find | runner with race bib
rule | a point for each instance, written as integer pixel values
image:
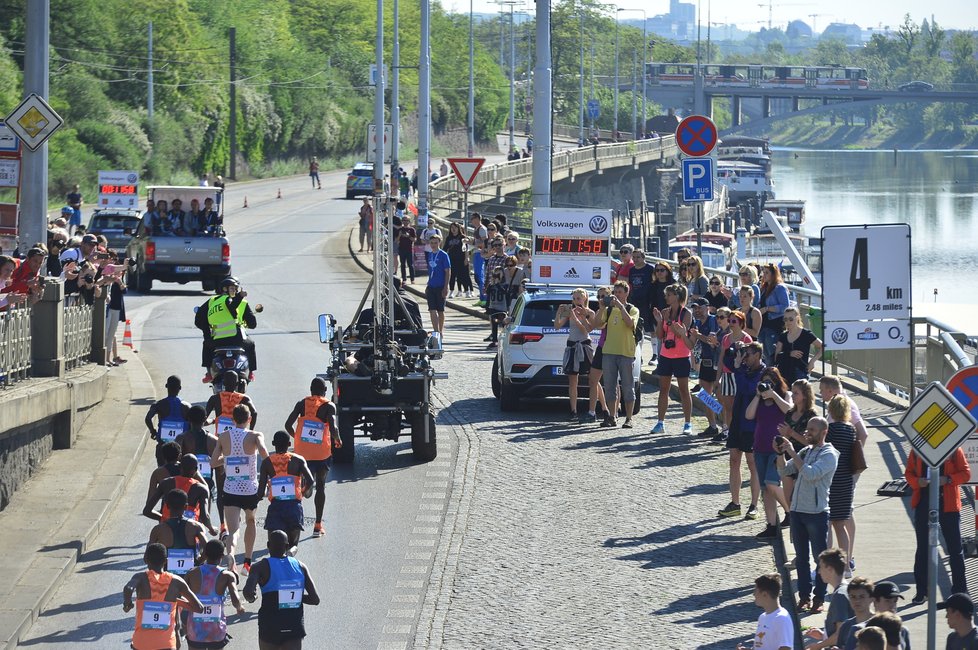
(286, 478)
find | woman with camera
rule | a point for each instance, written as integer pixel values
(795, 423)
(578, 354)
(767, 409)
(619, 319)
(774, 300)
(672, 329)
(731, 339)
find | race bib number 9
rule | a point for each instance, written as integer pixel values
(283, 488)
(290, 595)
(170, 429)
(237, 468)
(312, 432)
(156, 615)
(179, 560)
(213, 609)
(204, 465)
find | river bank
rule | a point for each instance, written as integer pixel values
(802, 132)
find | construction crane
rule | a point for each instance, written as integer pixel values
(814, 24)
(770, 9)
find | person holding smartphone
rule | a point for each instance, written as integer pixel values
(619, 318)
(578, 354)
(672, 328)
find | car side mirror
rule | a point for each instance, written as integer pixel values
(327, 328)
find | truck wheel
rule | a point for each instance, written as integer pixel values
(495, 378)
(345, 453)
(423, 450)
(509, 397)
(350, 195)
(208, 285)
(144, 283)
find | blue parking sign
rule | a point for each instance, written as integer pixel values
(593, 109)
(699, 178)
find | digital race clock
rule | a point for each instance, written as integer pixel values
(106, 188)
(554, 245)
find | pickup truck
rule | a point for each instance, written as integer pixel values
(118, 225)
(179, 258)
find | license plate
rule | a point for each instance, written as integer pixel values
(187, 269)
(558, 370)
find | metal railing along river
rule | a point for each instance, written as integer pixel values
(15, 344)
(77, 334)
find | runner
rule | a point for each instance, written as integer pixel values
(157, 595)
(287, 478)
(208, 630)
(222, 405)
(188, 481)
(315, 413)
(181, 537)
(286, 587)
(169, 453)
(237, 450)
(172, 413)
(199, 442)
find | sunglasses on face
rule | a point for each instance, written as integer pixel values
(661, 270)
(714, 284)
(734, 321)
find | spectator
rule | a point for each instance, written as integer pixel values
(479, 237)
(74, 201)
(621, 269)
(497, 304)
(161, 225)
(748, 278)
(754, 318)
(795, 422)
(767, 408)
(314, 173)
(871, 638)
(7, 267)
(595, 390)
(774, 300)
(814, 467)
(414, 181)
(748, 370)
(960, 618)
(797, 348)
(673, 329)
(951, 475)
(25, 279)
(842, 436)
(366, 223)
(860, 592)
(775, 630)
(495, 259)
(697, 284)
(892, 626)
(885, 596)
(730, 350)
(403, 185)
(640, 277)
(578, 354)
(192, 222)
(512, 244)
(619, 318)
(57, 239)
(406, 236)
(210, 219)
(705, 335)
(457, 250)
(715, 297)
(657, 300)
(176, 219)
(439, 275)
(443, 169)
(831, 565)
(115, 308)
(150, 217)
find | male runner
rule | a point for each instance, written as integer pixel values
(198, 496)
(201, 443)
(286, 587)
(317, 426)
(180, 536)
(172, 413)
(287, 479)
(157, 595)
(208, 630)
(222, 405)
(237, 451)
(169, 453)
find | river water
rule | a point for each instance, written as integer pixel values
(936, 192)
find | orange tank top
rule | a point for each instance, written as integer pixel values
(313, 438)
(225, 420)
(283, 486)
(192, 512)
(156, 617)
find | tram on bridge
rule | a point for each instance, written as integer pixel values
(743, 75)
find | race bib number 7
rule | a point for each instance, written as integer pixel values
(290, 595)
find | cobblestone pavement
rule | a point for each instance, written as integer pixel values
(572, 535)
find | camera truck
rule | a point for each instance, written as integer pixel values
(381, 369)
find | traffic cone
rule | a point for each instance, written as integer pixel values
(127, 335)
(279, 193)
(246, 202)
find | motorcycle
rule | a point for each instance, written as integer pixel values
(229, 358)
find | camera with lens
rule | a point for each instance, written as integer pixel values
(606, 301)
(131, 261)
(779, 440)
(669, 344)
(763, 387)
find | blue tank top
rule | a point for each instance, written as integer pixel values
(173, 424)
(281, 611)
(284, 571)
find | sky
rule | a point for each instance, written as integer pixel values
(750, 15)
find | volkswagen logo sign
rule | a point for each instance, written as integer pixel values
(188, 249)
(598, 224)
(840, 335)
(131, 178)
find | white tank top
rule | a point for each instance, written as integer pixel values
(240, 468)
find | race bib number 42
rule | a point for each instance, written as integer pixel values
(312, 432)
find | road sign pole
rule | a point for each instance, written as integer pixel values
(465, 206)
(932, 564)
(33, 215)
(699, 229)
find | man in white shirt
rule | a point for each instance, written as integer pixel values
(775, 631)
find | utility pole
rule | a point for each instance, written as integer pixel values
(233, 123)
(379, 111)
(592, 77)
(645, 75)
(395, 102)
(614, 135)
(634, 96)
(512, 78)
(542, 110)
(424, 112)
(471, 125)
(36, 78)
(581, 74)
(149, 76)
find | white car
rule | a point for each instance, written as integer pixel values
(529, 360)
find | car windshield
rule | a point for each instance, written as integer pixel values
(363, 172)
(117, 221)
(541, 313)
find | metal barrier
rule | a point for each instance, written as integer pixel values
(15, 344)
(77, 334)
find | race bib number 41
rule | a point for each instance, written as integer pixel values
(170, 429)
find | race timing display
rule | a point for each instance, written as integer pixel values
(571, 247)
(552, 245)
(117, 189)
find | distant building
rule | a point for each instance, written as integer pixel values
(683, 12)
(847, 32)
(798, 29)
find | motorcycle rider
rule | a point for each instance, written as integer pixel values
(222, 319)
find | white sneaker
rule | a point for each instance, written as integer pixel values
(468, 294)
(451, 294)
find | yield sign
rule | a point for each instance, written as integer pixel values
(696, 135)
(466, 169)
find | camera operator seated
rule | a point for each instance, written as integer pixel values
(402, 320)
(222, 319)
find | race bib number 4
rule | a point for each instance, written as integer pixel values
(283, 488)
(213, 609)
(179, 560)
(204, 465)
(170, 429)
(237, 468)
(290, 595)
(157, 615)
(312, 432)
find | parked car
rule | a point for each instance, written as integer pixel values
(360, 180)
(118, 225)
(916, 86)
(529, 360)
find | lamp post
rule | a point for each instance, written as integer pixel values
(471, 124)
(615, 133)
(645, 44)
(512, 69)
(581, 99)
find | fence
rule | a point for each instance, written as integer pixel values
(77, 334)
(15, 344)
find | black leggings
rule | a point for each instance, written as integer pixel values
(460, 276)
(407, 262)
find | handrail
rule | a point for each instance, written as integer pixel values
(951, 346)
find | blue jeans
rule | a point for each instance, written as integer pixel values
(809, 532)
(950, 523)
(769, 339)
(479, 269)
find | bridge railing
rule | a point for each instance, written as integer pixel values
(15, 344)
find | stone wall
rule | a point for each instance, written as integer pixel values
(21, 453)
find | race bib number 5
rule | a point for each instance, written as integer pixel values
(156, 615)
(312, 432)
(237, 468)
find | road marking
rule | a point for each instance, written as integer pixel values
(417, 555)
(443, 485)
(397, 629)
(432, 506)
(405, 598)
(401, 613)
(433, 495)
(414, 569)
(437, 474)
(428, 519)
(425, 531)
(409, 584)
(392, 645)
(422, 542)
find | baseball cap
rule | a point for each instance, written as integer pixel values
(89, 239)
(886, 589)
(66, 210)
(959, 602)
(699, 302)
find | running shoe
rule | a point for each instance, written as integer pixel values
(451, 294)
(751, 511)
(246, 567)
(719, 439)
(627, 424)
(488, 338)
(659, 428)
(492, 346)
(708, 432)
(731, 510)
(587, 418)
(608, 423)
(573, 417)
(293, 551)
(317, 530)
(688, 428)
(208, 378)
(769, 532)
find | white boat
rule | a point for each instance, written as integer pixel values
(792, 209)
(744, 181)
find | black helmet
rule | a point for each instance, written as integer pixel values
(230, 281)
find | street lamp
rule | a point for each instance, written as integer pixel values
(512, 72)
(581, 99)
(614, 135)
(471, 116)
(645, 44)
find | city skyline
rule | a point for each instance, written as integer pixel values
(751, 15)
